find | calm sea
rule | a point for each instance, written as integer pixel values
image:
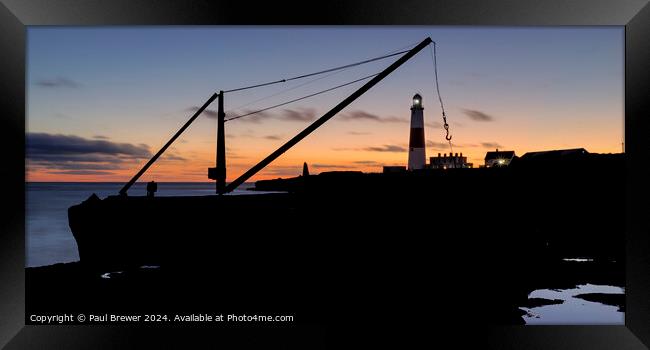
(48, 237)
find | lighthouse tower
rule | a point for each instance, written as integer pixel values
(417, 156)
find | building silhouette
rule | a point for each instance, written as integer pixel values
(498, 158)
(449, 162)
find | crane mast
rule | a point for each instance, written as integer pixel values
(218, 173)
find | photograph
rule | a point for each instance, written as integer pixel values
(336, 177)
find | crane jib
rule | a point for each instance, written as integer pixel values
(320, 121)
(219, 172)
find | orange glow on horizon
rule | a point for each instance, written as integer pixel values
(288, 165)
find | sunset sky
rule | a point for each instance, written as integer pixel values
(102, 100)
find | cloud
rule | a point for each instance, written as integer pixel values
(435, 125)
(58, 83)
(210, 113)
(251, 135)
(172, 157)
(438, 145)
(330, 166)
(74, 155)
(366, 162)
(292, 115)
(101, 137)
(232, 153)
(359, 115)
(386, 148)
(50, 144)
(253, 118)
(365, 116)
(69, 165)
(478, 115)
(248, 134)
(235, 156)
(81, 172)
(358, 133)
(394, 120)
(393, 148)
(207, 112)
(281, 170)
(490, 145)
(300, 114)
(362, 115)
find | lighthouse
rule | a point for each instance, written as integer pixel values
(417, 156)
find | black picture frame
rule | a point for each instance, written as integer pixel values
(15, 15)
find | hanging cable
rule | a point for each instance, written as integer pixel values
(302, 98)
(283, 91)
(442, 107)
(319, 72)
(311, 81)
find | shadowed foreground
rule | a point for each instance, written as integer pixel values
(349, 251)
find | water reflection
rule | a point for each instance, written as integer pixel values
(573, 309)
(578, 259)
(109, 275)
